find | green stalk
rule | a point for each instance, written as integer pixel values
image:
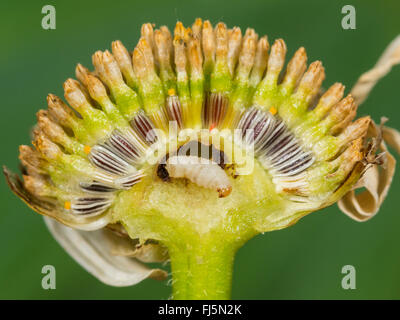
(202, 267)
(202, 271)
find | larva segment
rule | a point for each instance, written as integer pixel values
(204, 173)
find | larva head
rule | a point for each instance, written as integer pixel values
(193, 132)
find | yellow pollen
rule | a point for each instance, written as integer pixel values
(171, 92)
(67, 205)
(86, 149)
(273, 110)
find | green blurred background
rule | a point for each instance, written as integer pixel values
(301, 262)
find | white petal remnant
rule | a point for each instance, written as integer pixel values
(376, 181)
(367, 81)
(92, 250)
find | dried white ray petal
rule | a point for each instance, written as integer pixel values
(204, 173)
(367, 81)
(92, 251)
(376, 181)
(392, 138)
(147, 253)
(126, 247)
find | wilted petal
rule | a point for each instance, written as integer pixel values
(367, 81)
(125, 246)
(376, 179)
(92, 250)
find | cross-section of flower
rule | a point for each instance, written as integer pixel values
(190, 145)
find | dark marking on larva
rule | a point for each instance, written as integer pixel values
(162, 172)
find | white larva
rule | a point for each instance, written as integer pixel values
(203, 172)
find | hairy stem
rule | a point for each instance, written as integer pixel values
(202, 271)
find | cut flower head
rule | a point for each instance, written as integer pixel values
(192, 144)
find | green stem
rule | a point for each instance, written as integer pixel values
(202, 271)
